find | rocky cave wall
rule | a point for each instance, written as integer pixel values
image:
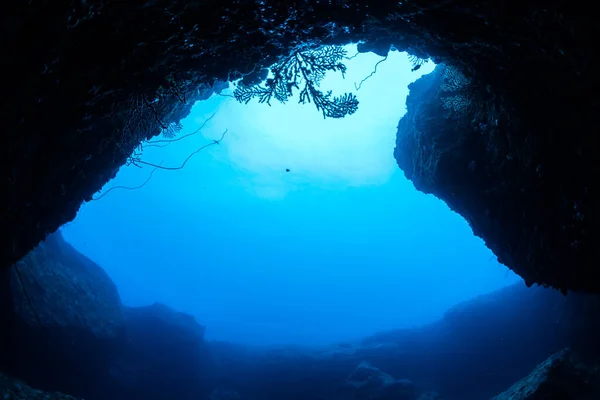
(89, 80)
(523, 185)
(64, 328)
(87, 344)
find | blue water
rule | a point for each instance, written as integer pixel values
(338, 247)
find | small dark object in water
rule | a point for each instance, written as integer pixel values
(287, 170)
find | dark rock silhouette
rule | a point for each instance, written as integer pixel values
(165, 356)
(12, 389)
(80, 322)
(560, 377)
(85, 342)
(370, 383)
(82, 97)
(66, 289)
(464, 147)
(477, 350)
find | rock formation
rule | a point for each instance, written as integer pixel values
(80, 340)
(12, 389)
(93, 79)
(62, 321)
(368, 382)
(63, 328)
(165, 356)
(561, 376)
(485, 161)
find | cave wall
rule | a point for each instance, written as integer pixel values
(518, 174)
(61, 319)
(478, 349)
(87, 344)
(63, 328)
(93, 79)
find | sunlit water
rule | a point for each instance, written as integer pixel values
(338, 247)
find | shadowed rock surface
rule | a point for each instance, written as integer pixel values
(85, 342)
(368, 382)
(560, 377)
(12, 389)
(66, 289)
(80, 325)
(522, 183)
(478, 349)
(96, 78)
(165, 356)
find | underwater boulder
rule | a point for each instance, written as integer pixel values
(224, 394)
(475, 351)
(561, 376)
(370, 383)
(485, 344)
(62, 319)
(57, 286)
(12, 389)
(495, 163)
(165, 356)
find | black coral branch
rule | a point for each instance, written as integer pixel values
(304, 70)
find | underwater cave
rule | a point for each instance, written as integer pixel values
(294, 229)
(229, 200)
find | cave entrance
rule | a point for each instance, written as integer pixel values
(287, 226)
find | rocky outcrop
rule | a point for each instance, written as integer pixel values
(58, 287)
(165, 357)
(559, 377)
(63, 328)
(516, 174)
(98, 77)
(482, 345)
(62, 321)
(155, 352)
(477, 350)
(368, 382)
(12, 389)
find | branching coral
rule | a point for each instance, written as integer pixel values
(305, 67)
(172, 130)
(136, 157)
(462, 96)
(417, 62)
(457, 98)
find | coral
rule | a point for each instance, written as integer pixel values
(305, 67)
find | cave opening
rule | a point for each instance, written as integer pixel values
(288, 227)
(260, 225)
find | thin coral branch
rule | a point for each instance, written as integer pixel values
(218, 141)
(136, 162)
(156, 143)
(417, 62)
(371, 74)
(352, 57)
(303, 70)
(127, 187)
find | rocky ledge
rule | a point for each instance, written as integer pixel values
(12, 389)
(89, 80)
(559, 377)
